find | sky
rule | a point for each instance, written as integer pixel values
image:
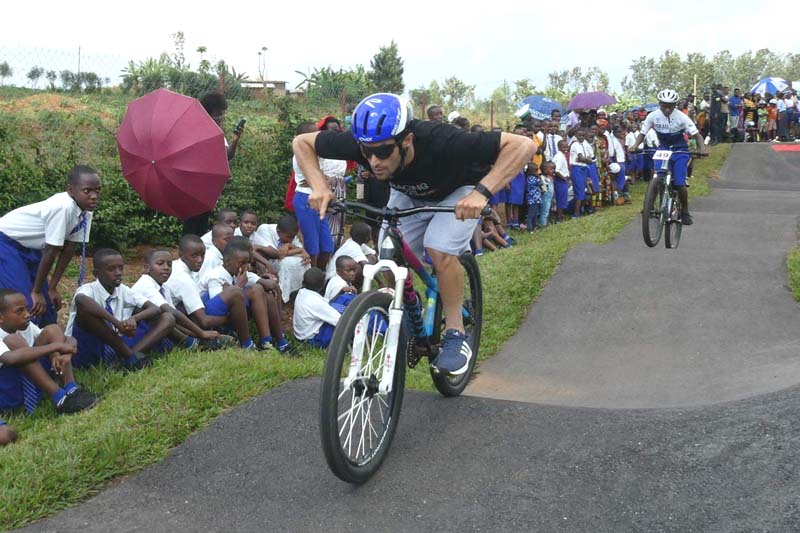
(483, 45)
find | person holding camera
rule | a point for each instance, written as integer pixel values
(216, 106)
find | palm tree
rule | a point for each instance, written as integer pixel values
(201, 50)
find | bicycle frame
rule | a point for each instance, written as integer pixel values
(661, 164)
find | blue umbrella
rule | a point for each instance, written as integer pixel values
(770, 85)
(541, 107)
(647, 107)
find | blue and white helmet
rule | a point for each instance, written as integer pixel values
(380, 117)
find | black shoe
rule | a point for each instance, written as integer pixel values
(686, 219)
(220, 343)
(78, 400)
(142, 361)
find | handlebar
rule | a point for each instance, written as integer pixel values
(393, 213)
(695, 154)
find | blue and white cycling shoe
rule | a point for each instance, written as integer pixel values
(455, 355)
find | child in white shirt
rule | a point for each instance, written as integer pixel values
(314, 317)
(23, 347)
(109, 321)
(151, 286)
(340, 287)
(226, 217)
(278, 243)
(357, 247)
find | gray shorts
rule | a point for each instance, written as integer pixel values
(438, 231)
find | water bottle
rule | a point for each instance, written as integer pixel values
(430, 311)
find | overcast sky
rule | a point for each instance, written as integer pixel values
(482, 46)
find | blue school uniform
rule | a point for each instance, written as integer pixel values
(621, 176)
(579, 175)
(25, 231)
(595, 176)
(561, 193)
(516, 192)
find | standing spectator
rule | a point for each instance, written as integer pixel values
(216, 106)
(790, 99)
(715, 111)
(724, 112)
(783, 120)
(551, 140)
(704, 109)
(317, 238)
(435, 113)
(35, 237)
(735, 105)
(533, 196)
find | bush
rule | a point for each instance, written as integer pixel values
(42, 139)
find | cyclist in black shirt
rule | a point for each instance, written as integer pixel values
(426, 163)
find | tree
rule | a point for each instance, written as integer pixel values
(69, 81)
(424, 97)
(178, 58)
(5, 72)
(502, 98)
(457, 93)
(642, 79)
(668, 69)
(34, 74)
(201, 50)
(387, 70)
(51, 79)
(523, 88)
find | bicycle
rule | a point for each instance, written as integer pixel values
(336, 221)
(659, 209)
(379, 334)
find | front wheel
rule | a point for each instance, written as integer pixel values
(357, 422)
(472, 314)
(652, 221)
(674, 226)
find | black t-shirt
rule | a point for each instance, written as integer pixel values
(445, 157)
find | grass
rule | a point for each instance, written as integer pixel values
(793, 266)
(59, 461)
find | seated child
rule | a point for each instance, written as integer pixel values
(357, 248)
(151, 287)
(314, 318)
(248, 223)
(533, 196)
(226, 217)
(278, 243)
(221, 234)
(490, 235)
(259, 293)
(24, 347)
(109, 321)
(340, 288)
(184, 286)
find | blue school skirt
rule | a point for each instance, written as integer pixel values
(516, 195)
(18, 268)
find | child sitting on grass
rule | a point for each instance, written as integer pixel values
(258, 293)
(340, 288)
(248, 223)
(314, 317)
(184, 285)
(226, 217)
(357, 247)
(278, 244)
(24, 347)
(109, 321)
(151, 287)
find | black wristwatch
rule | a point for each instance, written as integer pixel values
(481, 188)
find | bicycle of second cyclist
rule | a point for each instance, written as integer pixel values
(381, 332)
(662, 204)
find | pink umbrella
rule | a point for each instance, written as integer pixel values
(173, 154)
(591, 100)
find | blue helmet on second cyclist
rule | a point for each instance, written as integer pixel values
(380, 126)
(667, 99)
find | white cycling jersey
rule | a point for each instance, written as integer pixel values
(670, 129)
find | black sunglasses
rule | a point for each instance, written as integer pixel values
(384, 151)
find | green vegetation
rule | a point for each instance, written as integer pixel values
(61, 460)
(793, 266)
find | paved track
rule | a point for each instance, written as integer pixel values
(715, 451)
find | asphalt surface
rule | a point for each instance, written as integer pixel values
(716, 451)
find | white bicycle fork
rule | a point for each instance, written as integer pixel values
(392, 331)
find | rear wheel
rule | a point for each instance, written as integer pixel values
(674, 226)
(652, 221)
(472, 313)
(357, 422)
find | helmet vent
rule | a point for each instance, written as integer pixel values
(379, 127)
(364, 127)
